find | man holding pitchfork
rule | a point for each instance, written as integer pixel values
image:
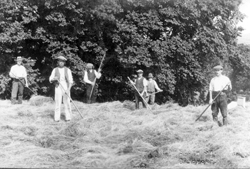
(219, 85)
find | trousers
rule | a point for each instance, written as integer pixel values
(150, 98)
(220, 103)
(137, 101)
(60, 96)
(17, 88)
(91, 99)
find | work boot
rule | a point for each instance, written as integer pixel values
(225, 122)
(13, 101)
(215, 119)
(20, 100)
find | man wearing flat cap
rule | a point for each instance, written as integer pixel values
(61, 76)
(141, 85)
(90, 77)
(152, 85)
(19, 75)
(219, 83)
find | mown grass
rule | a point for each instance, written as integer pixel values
(114, 135)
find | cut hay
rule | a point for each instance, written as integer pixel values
(115, 135)
(40, 100)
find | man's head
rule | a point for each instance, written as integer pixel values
(139, 73)
(19, 60)
(218, 70)
(89, 66)
(61, 61)
(150, 76)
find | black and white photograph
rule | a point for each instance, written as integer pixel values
(125, 84)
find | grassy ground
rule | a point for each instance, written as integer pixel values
(114, 135)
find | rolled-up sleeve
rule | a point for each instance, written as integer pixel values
(230, 84)
(156, 86)
(86, 79)
(98, 74)
(24, 72)
(70, 76)
(11, 72)
(145, 82)
(211, 85)
(52, 76)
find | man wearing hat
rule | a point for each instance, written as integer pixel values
(152, 85)
(61, 76)
(219, 83)
(89, 78)
(141, 85)
(19, 75)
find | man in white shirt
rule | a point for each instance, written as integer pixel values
(61, 76)
(152, 85)
(19, 75)
(219, 83)
(90, 77)
(141, 85)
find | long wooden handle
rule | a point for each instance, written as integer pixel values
(70, 98)
(211, 104)
(139, 93)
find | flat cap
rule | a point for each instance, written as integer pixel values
(61, 58)
(218, 67)
(139, 71)
(19, 58)
(89, 65)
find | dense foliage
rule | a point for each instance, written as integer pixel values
(176, 40)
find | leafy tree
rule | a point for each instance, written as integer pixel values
(178, 41)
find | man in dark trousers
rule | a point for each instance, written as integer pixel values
(219, 83)
(19, 75)
(141, 85)
(90, 77)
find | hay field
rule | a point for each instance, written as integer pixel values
(114, 135)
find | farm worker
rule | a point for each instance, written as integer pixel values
(141, 85)
(90, 77)
(61, 76)
(152, 85)
(19, 75)
(219, 83)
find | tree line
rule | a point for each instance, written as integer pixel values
(179, 41)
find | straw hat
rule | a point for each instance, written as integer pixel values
(139, 71)
(89, 65)
(218, 67)
(61, 58)
(19, 58)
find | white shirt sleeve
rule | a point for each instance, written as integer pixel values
(211, 85)
(70, 76)
(229, 82)
(97, 74)
(11, 73)
(156, 86)
(145, 82)
(86, 79)
(52, 76)
(24, 72)
(18, 71)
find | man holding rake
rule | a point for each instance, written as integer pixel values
(141, 85)
(152, 85)
(219, 85)
(90, 77)
(19, 75)
(61, 76)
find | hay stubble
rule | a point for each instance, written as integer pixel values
(114, 135)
